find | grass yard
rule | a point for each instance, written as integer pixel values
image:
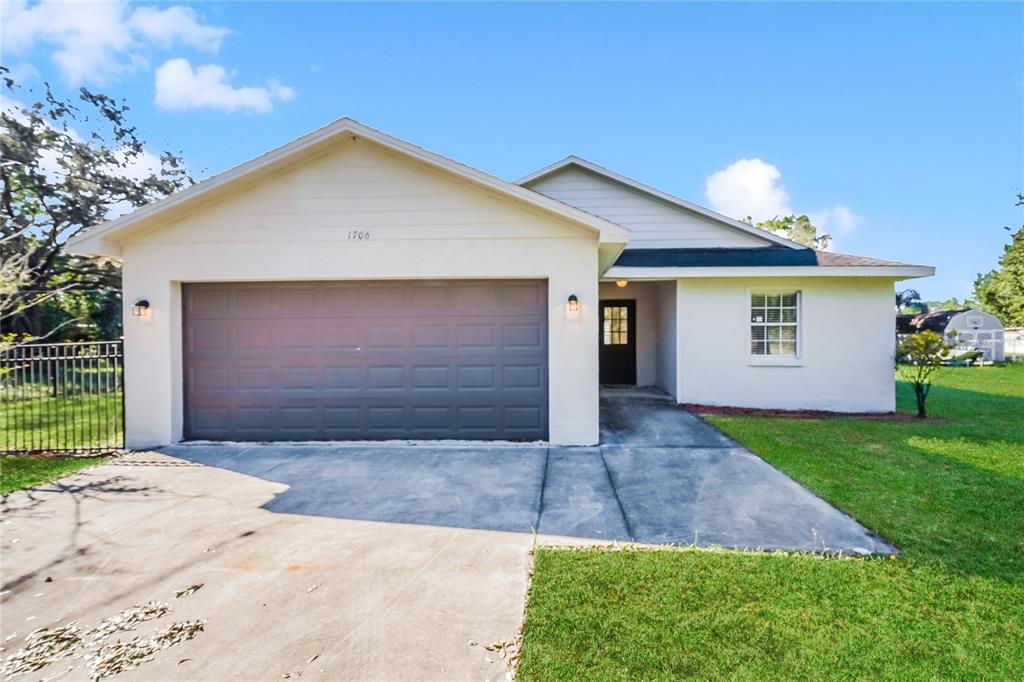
(948, 492)
(61, 423)
(18, 473)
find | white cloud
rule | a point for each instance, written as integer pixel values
(96, 41)
(752, 187)
(179, 86)
(836, 220)
(748, 187)
(176, 25)
(845, 219)
(280, 91)
(23, 72)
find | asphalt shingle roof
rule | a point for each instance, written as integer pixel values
(772, 256)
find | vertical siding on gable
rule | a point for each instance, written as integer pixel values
(654, 223)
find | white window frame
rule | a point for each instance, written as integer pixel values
(756, 360)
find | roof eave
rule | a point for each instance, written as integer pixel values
(896, 272)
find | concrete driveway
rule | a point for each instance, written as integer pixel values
(661, 476)
(283, 595)
(374, 562)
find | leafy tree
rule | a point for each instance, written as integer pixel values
(66, 165)
(949, 304)
(910, 298)
(1001, 291)
(921, 355)
(795, 228)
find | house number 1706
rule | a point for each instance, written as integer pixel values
(359, 235)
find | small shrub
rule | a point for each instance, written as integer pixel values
(921, 354)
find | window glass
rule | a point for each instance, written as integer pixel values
(615, 326)
(774, 318)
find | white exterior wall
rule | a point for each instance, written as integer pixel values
(653, 223)
(847, 346)
(668, 354)
(422, 224)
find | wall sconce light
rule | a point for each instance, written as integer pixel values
(621, 283)
(574, 304)
(141, 308)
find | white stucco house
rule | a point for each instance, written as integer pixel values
(351, 285)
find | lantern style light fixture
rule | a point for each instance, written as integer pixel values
(141, 308)
(574, 304)
(621, 283)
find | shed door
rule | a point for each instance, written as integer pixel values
(366, 360)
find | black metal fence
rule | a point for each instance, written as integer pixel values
(62, 397)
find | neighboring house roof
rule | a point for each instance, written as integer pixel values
(284, 155)
(935, 321)
(568, 161)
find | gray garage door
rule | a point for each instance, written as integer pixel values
(366, 360)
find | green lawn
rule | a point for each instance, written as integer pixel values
(67, 422)
(949, 492)
(17, 473)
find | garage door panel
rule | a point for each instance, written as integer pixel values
(476, 377)
(529, 377)
(476, 336)
(341, 378)
(206, 338)
(477, 418)
(521, 336)
(431, 377)
(431, 418)
(366, 360)
(385, 378)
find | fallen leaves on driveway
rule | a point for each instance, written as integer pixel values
(125, 621)
(508, 649)
(191, 589)
(45, 645)
(118, 657)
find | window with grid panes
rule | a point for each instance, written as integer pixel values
(773, 323)
(616, 325)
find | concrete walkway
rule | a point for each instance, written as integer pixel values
(661, 476)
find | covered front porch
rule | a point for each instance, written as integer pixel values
(637, 334)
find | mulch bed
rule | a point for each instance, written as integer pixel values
(797, 414)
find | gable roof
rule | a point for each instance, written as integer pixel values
(569, 161)
(105, 233)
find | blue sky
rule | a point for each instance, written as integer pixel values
(897, 126)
